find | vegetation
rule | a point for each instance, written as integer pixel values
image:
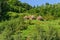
(14, 27)
(19, 29)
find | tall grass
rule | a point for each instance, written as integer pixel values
(19, 29)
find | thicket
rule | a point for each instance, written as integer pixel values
(14, 27)
(12, 6)
(19, 29)
(17, 7)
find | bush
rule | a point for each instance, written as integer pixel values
(19, 29)
(49, 17)
(12, 14)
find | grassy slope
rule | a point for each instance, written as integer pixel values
(19, 29)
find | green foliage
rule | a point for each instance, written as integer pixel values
(12, 14)
(49, 17)
(19, 29)
(19, 7)
(47, 9)
(13, 6)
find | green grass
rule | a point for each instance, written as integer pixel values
(19, 29)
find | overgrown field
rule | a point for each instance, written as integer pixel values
(19, 29)
(14, 27)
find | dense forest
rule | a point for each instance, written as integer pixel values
(13, 26)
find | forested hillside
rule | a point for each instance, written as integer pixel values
(12, 6)
(17, 7)
(21, 21)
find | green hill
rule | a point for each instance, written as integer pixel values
(13, 26)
